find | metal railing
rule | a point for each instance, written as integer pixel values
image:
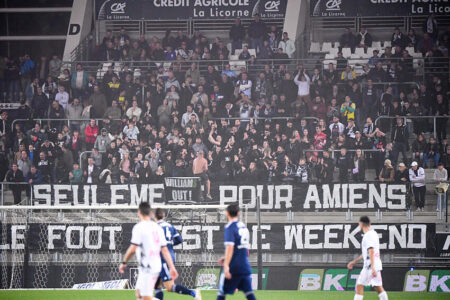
(405, 118)
(265, 118)
(6, 183)
(338, 150)
(419, 72)
(13, 123)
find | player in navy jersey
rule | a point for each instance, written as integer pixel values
(173, 238)
(236, 268)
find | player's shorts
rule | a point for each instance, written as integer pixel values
(240, 282)
(146, 282)
(165, 274)
(365, 278)
(203, 176)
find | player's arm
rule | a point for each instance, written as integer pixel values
(177, 239)
(168, 258)
(226, 263)
(354, 262)
(372, 262)
(130, 251)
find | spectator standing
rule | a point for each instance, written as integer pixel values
(257, 32)
(62, 97)
(359, 166)
(348, 109)
(398, 38)
(54, 67)
(363, 39)
(441, 175)
(347, 40)
(200, 169)
(40, 104)
(440, 108)
(14, 175)
(26, 70)
(79, 82)
(417, 178)
(76, 175)
(90, 133)
(99, 104)
(73, 112)
(287, 45)
(237, 35)
(303, 84)
(399, 138)
(344, 164)
(430, 26)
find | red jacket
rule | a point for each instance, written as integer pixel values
(91, 134)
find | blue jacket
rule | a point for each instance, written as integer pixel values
(73, 80)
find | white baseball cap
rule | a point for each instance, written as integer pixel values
(414, 163)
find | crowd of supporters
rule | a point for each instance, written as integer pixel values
(273, 125)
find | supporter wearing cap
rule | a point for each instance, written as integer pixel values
(417, 178)
(401, 174)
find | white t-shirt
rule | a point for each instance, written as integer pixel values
(371, 240)
(149, 237)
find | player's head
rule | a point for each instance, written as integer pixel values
(232, 210)
(144, 210)
(364, 222)
(160, 214)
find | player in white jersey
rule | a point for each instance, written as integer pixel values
(148, 242)
(371, 272)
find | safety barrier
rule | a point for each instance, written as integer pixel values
(13, 123)
(414, 117)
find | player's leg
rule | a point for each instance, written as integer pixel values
(158, 289)
(381, 293)
(227, 287)
(245, 285)
(359, 292)
(179, 289)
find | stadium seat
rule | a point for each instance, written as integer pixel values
(314, 48)
(346, 52)
(329, 56)
(327, 61)
(336, 45)
(234, 57)
(376, 45)
(334, 51)
(137, 73)
(355, 56)
(326, 46)
(410, 50)
(387, 44)
(359, 52)
(237, 65)
(229, 47)
(238, 52)
(252, 52)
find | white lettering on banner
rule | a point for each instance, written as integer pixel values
(254, 235)
(40, 196)
(355, 196)
(96, 241)
(287, 199)
(396, 201)
(378, 197)
(394, 234)
(421, 244)
(155, 192)
(331, 200)
(310, 282)
(329, 235)
(441, 283)
(415, 283)
(94, 194)
(312, 195)
(447, 243)
(191, 241)
(330, 281)
(291, 233)
(79, 236)
(209, 237)
(312, 236)
(344, 196)
(62, 196)
(135, 197)
(247, 192)
(18, 236)
(114, 195)
(350, 236)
